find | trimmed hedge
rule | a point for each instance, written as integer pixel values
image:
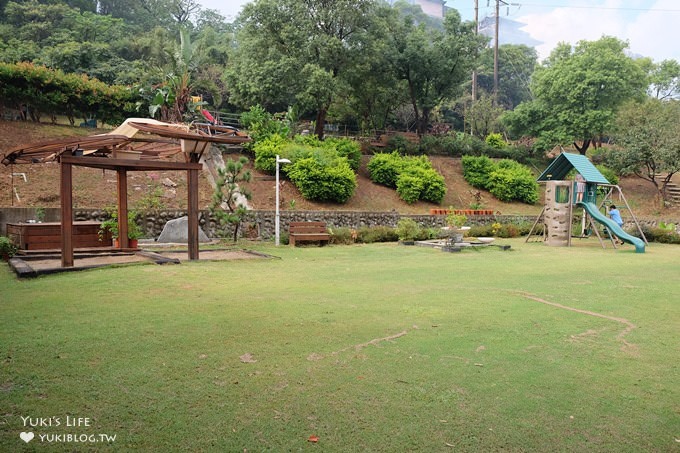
(414, 178)
(323, 182)
(321, 170)
(506, 179)
(476, 170)
(54, 92)
(266, 151)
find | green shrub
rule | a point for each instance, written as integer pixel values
(432, 144)
(425, 183)
(261, 125)
(331, 176)
(413, 177)
(7, 248)
(506, 179)
(495, 141)
(508, 230)
(476, 170)
(399, 143)
(445, 145)
(266, 151)
(513, 184)
(345, 147)
(368, 235)
(384, 168)
(407, 229)
(425, 234)
(409, 187)
(481, 231)
(341, 235)
(660, 235)
(608, 173)
(466, 144)
(318, 182)
(505, 230)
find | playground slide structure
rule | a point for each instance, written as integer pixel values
(613, 227)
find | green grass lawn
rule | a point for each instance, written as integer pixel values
(369, 348)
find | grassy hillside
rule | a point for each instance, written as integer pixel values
(96, 188)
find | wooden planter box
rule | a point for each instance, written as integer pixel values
(47, 236)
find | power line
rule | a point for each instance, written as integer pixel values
(611, 8)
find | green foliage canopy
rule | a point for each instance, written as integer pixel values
(648, 139)
(577, 92)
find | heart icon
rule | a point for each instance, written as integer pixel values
(27, 437)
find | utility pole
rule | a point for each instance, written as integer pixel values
(474, 71)
(495, 49)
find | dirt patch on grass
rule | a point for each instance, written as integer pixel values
(97, 261)
(215, 255)
(629, 326)
(26, 266)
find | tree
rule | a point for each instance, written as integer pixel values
(648, 139)
(665, 80)
(297, 52)
(577, 93)
(482, 115)
(230, 195)
(434, 64)
(516, 64)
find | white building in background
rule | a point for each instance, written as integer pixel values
(433, 8)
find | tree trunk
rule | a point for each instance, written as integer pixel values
(320, 122)
(414, 102)
(583, 148)
(423, 121)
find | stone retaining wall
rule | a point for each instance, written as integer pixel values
(260, 224)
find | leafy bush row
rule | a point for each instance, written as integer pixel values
(501, 230)
(369, 235)
(414, 178)
(506, 179)
(47, 91)
(458, 144)
(321, 170)
(660, 235)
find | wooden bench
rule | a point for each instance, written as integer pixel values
(308, 232)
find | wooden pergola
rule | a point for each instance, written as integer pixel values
(123, 151)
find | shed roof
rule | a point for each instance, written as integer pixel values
(565, 162)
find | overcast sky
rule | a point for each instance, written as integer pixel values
(652, 27)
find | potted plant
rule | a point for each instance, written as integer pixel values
(407, 231)
(455, 222)
(7, 248)
(111, 225)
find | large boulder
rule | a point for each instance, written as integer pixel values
(177, 231)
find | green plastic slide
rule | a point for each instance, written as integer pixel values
(615, 229)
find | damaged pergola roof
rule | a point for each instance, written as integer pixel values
(139, 144)
(151, 139)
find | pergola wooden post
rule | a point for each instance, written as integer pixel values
(66, 187)
(122, 208)
(192, 203)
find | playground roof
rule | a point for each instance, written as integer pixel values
(565, 162)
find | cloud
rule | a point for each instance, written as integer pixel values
(649, 33)
(655, 33)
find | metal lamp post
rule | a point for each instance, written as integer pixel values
(277, 232)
